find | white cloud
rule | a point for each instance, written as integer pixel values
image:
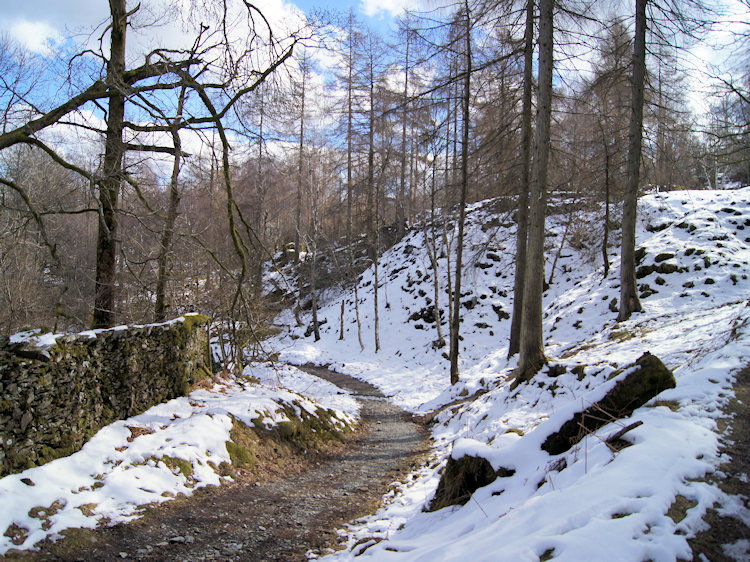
(38, 36)
(40, 25)
(387, 7)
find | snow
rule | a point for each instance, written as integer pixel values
(128, 465)
(588, 503)
(43, 339)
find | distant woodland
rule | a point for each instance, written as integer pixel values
(138, 184)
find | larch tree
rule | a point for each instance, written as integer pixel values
(522, 218)
(465, 15)
(532, 356)
(629, 301)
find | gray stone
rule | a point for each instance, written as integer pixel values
(75, 387)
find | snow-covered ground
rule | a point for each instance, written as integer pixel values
(588, 503)
(172, 448)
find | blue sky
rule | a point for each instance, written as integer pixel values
(40, 24)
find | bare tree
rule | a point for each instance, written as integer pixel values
(522, 219)
(532, 356)
(160, 304)
(466, 111)
(212, 65)
(629, 301)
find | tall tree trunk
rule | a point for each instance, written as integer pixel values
(314, 266)
(349, 113)
(298, 214)
(349, 167)
(466, 98)
(532, 345)
(160, 305)
(400, 213)
(356, 313)
(605, 237)
(448, 179)
(629, 301)
(260, 211)
(522, 219)
(431, 244)
(109, 187)
(373, 196)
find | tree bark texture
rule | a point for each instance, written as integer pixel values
(400, 212)
(349, 114)
(456, 321)
(109, 186)
(373, 197)
(629, 301)
(532, 345)
(298, 213)
(522, 219)
(160, 306)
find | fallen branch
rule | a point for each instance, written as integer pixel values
(616, 435)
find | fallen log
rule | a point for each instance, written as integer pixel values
(648, 377)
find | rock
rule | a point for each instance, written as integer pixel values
(69, 390)
(26, 420)
(643, 271)
(462, 478)
(647, 377)
(666, 268)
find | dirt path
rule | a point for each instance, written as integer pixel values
(732, 478)
(280, 519)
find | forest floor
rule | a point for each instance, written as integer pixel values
(295, 514)
(276, 515)
(732, 477)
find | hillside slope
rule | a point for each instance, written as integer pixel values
(642, 502)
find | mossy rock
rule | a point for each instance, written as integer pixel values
(646, 290)
(646, 378)
(664, 256)
(666, 268)
(579, 371)
(640, 253)
(180, 465)
(644, 271)
(461, 478)
(242, 447)
(657, 227)
(501, 314)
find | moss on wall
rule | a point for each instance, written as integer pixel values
(54, 399)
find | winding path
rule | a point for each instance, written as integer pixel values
(271, 519)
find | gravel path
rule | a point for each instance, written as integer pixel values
(271, 518)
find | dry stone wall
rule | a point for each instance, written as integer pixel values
(54, 398)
